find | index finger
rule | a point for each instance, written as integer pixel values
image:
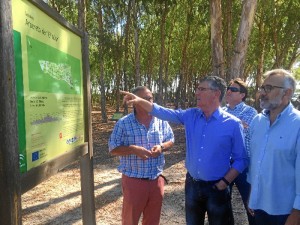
(127, 93)
(124, 92)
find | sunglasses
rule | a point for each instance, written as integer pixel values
(233, 89)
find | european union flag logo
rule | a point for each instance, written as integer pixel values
(35, 156)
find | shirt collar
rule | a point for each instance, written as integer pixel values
(216, 114)
(286, 111)
(237, 107)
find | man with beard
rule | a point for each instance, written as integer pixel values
(274, 171)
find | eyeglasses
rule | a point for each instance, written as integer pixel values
(204, 89)
(268, 88)
(233, 89)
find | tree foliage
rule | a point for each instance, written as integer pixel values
(174, 42)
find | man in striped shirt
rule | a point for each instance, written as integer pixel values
(236, 95)
(140, 139)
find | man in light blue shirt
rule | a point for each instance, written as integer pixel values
(274, 171)
(213, 137)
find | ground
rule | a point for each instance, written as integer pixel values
(58, 199)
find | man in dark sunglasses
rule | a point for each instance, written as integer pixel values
(235, 98)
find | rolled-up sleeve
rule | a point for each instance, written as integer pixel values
(116, 137)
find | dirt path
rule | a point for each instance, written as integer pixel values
(58, 200)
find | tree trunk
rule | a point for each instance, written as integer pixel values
(164, 12)
(241, 44)
(260, 66)
(126, 48)
(82, 15)
(10, 180)
(216, 38)
(136, 45)
(228, 45)
(101, 64)
(181, 92)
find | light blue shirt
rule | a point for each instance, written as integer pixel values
(209, 143)
(128, 131)
(246, 114)
(274, 171)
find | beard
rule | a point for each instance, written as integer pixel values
(266, 103)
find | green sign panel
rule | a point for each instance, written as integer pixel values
(49, 86)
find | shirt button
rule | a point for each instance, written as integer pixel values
(199, 160)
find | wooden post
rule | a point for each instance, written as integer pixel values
(10, 191)
(86, 162)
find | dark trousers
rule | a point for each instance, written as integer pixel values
(263, 218)
(201, 197)
(244, 189)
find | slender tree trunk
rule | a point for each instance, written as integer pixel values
(228, 45)
(181, 92)
(136, 44)
(241, 44)
(260, 66)
(216, 37)
(164, 12)
(126, 49)
(294, 56)
(101, 64)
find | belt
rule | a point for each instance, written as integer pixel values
(147, 178)
(210, 182)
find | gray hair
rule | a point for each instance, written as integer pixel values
(216, 83)
(289, 80)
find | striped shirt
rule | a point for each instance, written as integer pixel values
(128, 131)
(246, 114)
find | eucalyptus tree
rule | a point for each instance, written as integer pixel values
(241, 44)
(216, 38)
(101, 52)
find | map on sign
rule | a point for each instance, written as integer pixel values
(51, 70)
(59, 71)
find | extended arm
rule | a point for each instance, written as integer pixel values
(130, 98)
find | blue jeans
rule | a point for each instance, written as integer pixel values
(263, 218)
(201, 197)
(244, 188)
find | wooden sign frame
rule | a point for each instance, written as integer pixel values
(12, 183)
